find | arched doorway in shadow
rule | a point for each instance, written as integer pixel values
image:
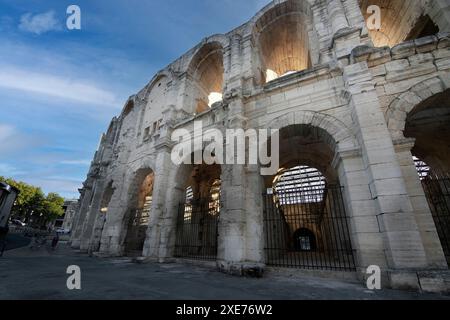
(304, 240)
(429, 124)
(305, 219)
(199, 213)
(138, 214)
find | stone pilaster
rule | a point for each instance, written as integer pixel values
(395, 215)
(160, 192)
(430, 238)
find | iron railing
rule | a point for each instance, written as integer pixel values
(137, 230)
(307, 228)
(437, 191)
(197, 230)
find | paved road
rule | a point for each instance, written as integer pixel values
(42, 275)
(14, 241)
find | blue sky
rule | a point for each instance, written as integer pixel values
(59, 89)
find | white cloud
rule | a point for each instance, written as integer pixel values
(67, 188)
(12, 141)
(39, 23)
(8, 171)
(6, 131)
(81, 91)
(76, 162)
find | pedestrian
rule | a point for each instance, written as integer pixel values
(55, 241)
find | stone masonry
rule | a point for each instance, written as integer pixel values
(327, 71)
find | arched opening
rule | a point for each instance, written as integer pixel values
(151, 116)
(128, 108)
(282, 37)
(429, 124)
(305, 219)
(208, 71)
(138, 214)
(304, 240)
(400, 21)
(198, 214)
(101, 218)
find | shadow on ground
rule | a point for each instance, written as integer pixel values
(26, 274)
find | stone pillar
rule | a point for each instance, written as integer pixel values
(160, 191)
(92, 216)
(82, 213)
(231, 240)
(236, 252)
(433, 248)
(254, 219)
(236, 56)
(336, 15)
(367, 241)
(439, 12)
(403, 244)
(111, 240)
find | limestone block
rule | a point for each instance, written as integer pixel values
(363, 208)
(443, 64)
(397, 221)
(412, 71)
(403, 50)
(404, 281)
(435, 282)
(365, 224)
(420, 58)
(397, 65)
(444, 40)
(441, 53)
(426, 44)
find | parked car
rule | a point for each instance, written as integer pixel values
(63, 231)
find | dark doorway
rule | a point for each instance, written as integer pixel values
(304, 240)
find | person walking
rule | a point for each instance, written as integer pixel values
(55, 241)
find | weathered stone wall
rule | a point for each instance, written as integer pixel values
(357, 93)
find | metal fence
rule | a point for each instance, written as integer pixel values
(136, 232)
(197, 230)
(437, 191)
(307, 227)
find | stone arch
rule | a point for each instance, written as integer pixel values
(107, 195)
(161, 74)
(283, 36)
(399, 109)
(335, 132)
(401, 21)
(133, 201)
(129, 107)
(309, 145)
(206, 73)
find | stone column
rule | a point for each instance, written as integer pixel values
(403, 244)
(367, 241)
(114, 225)
(254, 219)
(160, 191)
(235, 252)
(82, 213)
(92, 216)
(424, 218)
(336, 15)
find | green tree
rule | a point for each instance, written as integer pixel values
(32, 202)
